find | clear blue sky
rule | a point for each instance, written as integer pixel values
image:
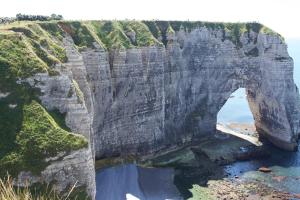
(280, 15)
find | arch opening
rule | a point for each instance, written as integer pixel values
(236, 109)
(236, 118)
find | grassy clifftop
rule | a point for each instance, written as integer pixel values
(117, 34)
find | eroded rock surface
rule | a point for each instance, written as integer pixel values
(150, 98)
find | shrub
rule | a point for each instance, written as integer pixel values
(24, 17)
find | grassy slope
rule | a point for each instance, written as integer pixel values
(40, 137)
(38, 192)
(27, 50)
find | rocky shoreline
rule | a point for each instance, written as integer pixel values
(244, 190)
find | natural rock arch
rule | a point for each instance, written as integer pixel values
(216, 69)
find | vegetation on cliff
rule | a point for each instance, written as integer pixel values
(39, 192)
(111, 34)
(24, 17)
(123, 34)
(46, 37)
(231, 31)
(39, 138)
(47, 49)
(79, 32)
(9, 192)
(17, 57)
(28, 134)
(31, 49)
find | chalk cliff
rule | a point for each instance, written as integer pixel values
(139, 87)
(150, 98)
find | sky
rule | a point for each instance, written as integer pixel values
(280, 15)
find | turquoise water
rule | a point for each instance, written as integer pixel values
(284, 165)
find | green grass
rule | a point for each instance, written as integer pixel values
(111, 34)
(46, 48)
(38, 191)
(17, 57)
(17, 60)
(201, 193)
(115, 34)
(53, 29)
(40, 137)
(28, 134)
(153, 28)
(11, 119)
(59, 118)
(233, 30)
(79, 32)
(144, 36)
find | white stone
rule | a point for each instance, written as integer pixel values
(12, 106)
(3, 95)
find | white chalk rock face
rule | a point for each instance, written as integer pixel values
(150, 98)
(68, 92)
(64, 172)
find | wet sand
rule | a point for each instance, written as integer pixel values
(242, 130)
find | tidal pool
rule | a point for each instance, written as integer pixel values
(285, 168)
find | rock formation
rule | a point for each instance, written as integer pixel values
(148, 97)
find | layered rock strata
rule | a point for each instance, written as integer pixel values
(70, 94)
(150, 98)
